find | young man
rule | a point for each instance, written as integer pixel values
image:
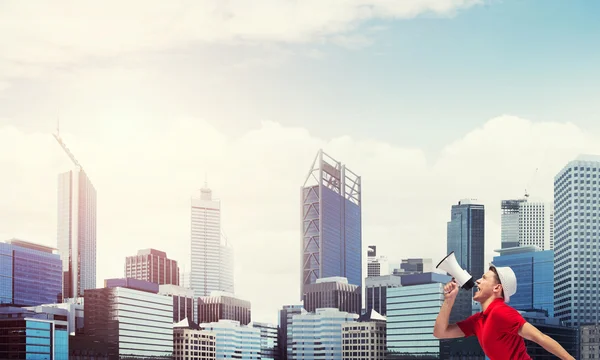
(499, 328)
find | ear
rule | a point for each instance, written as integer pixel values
(498, 288)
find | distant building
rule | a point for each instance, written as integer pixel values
(590, 341)
(376, 266)
(72, 311)
(577, 242)
(183, 301)
(223, 306)
(113, 316)
(269, 349)
(285, 336)
(312, 331)
(190, 342)
(235, 341)
(33, 334)
(331, 242)
(211, 259)
(334, 292)
(414, 266)
(535, 277)
(410, 335)
(366, 338)
(376, 291)
(466, 237)
(567, 337)
(76, 229)
(30, 274)
(153, 266)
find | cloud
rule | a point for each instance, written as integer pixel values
(57, 35)
(145, 177)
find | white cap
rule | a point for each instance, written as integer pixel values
(508, 279)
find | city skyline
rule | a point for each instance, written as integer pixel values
(383, 247)
(427, 111)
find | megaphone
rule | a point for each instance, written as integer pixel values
(462, 277)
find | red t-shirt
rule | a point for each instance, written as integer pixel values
(497, 330)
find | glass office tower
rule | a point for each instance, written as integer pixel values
(331, 223)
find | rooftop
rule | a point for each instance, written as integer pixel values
(31, 245)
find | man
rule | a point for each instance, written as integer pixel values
(499, 328)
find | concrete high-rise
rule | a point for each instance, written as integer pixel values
(509, 222)
(211, 260)
(76, 228)
(152, 265)
(525, 223)
(577, 241)
(331, 240)
(535, 220)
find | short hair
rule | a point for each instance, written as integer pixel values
(493, 268)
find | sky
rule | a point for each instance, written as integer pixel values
(429, 101)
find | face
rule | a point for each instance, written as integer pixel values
(487, 287)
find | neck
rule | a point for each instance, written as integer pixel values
(485, 304)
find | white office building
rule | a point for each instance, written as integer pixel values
(577, 242)
(211, 260)
(318, 335)
(527, 223)
(235, 341)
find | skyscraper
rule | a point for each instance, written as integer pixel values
(211, 261)
(331, 223)
(466, 237)
(577, 241)
(76, 231)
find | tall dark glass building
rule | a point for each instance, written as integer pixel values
(331, 223)
(30, 274)
(466, 237)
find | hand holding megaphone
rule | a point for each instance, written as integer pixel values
(462, 277)
(451, 290)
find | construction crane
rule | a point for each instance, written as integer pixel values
(530, 181)
(64, 146)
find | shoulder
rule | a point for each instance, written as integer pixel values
(503, 314)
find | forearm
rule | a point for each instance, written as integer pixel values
(554, 347)
(443, 318)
